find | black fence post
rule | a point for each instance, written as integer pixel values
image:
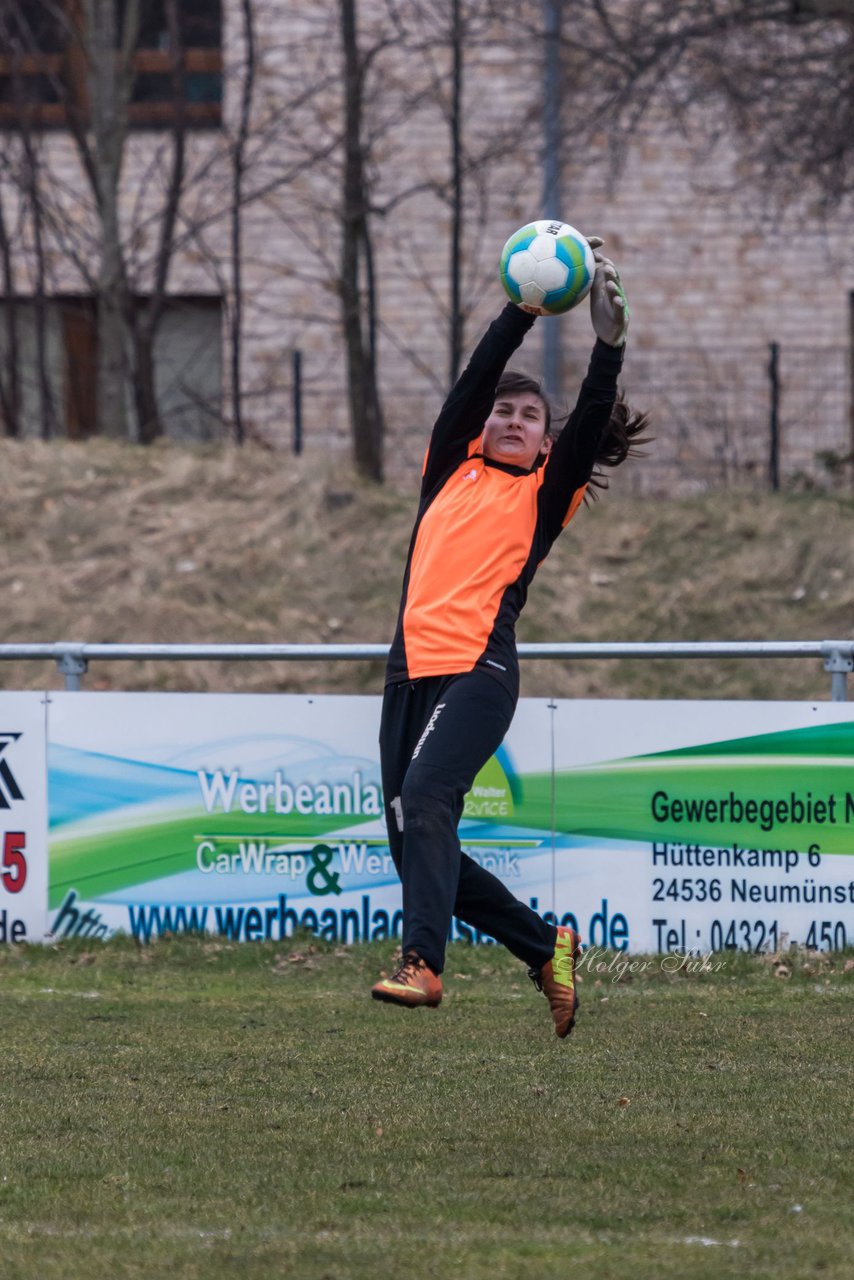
(774, 422)
(851, 381)
(296, 396)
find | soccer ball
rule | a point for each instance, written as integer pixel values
(547, 265)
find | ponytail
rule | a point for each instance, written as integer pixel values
(621, 439)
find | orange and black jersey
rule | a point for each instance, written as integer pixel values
(483, 527)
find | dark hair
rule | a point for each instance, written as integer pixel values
(623, 434)
(621, 439)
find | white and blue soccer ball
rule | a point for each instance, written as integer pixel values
(547, 265)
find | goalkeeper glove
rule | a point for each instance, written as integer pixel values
(609, 307)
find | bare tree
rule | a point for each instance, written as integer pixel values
(10, 380)
(22, 168)
(401, 62)
(357, 279)
(100, 139)
(780, 71)
(122, 227)
(239, 153)
(447, 41)
(144, 320)
(92, 83)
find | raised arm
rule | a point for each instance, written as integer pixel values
(573, 457)
(469, 404)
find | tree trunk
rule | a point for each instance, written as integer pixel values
(109, 89)
(47, 404)
(10, 384)
(358, 313)
(148, 424)
(237, 171)
(457, 194)
(145, 320)
(111, 313)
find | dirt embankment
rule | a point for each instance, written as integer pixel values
(108, 542)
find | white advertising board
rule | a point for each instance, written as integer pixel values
(23, 817)
(653, 826)
(698, 826)
(248, 817)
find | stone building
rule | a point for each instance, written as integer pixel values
(716, 281)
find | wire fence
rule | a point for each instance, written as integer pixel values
(723, 418)
(760, 418)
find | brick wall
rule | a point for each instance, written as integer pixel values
(712, 274)
(712, 277)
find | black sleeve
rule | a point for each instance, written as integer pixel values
(573, 456)
(469, 404)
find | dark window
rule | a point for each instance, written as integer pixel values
(28, 90)
(41, 25)
(199, 24)
(43, 63)
(187, 366)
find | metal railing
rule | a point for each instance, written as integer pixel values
(72, 659)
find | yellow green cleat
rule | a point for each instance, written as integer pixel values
(556, 980)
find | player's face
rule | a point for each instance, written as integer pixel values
(515, 431)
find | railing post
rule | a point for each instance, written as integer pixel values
(838, 662)
(73, 667)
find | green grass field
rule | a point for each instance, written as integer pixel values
(194, 1109)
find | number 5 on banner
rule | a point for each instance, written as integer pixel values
(14, 865)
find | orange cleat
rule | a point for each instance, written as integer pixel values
(556, 980)
(414, 984)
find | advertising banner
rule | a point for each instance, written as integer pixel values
(23, 817)
(250, 816)
(698, 826)
(651, 826)
(240, 815)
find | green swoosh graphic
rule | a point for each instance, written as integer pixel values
(815, 740)
(105, 861)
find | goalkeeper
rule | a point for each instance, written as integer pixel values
(498, 486)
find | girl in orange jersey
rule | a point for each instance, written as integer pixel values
(497, 489)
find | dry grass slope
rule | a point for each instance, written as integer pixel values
(108, 542)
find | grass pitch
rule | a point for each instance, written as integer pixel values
(194, 1109)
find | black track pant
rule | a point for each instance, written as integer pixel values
(436, 734)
